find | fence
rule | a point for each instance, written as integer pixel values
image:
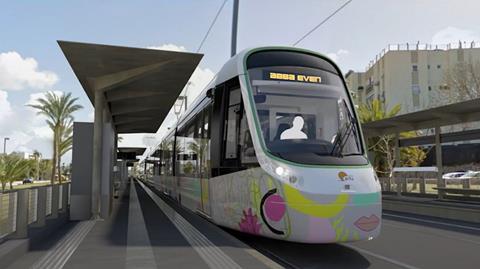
(424, 184)
(26, 208)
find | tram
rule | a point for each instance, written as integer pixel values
(273, 147)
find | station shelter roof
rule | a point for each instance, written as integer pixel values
(461, 112)
(139, 85)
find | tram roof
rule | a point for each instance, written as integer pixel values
(140, 85)
(461, 112)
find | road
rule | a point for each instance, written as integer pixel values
(405, 242)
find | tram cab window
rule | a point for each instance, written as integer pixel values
(247, 152)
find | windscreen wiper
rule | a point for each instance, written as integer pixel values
(342, 136)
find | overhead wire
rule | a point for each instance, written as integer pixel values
(211, 25)
(322, 22)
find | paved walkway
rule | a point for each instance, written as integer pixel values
(145, 231)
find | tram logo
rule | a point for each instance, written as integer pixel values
(293, 77)
(344, 176)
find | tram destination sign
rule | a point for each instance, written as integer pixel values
(272, 75)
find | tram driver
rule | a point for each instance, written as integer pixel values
(295, 132)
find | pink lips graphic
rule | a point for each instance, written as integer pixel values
(367, 224)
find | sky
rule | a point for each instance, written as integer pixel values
(31, 62)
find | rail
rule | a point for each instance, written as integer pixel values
(28, 208)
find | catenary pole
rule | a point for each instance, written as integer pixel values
(234, 28)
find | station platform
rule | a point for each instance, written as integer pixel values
(145, 230)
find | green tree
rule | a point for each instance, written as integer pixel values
(45, 168)
(383, 147)
(14, 168)
(59, 111)
(37, 156)
(65, 145)
(3, 178)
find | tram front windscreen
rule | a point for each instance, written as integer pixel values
(304, 112)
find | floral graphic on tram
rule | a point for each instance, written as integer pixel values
(249, 222)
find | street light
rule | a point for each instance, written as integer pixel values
(5, 145)
(177, 106)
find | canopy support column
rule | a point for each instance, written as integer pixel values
(439, 160)
(397, 180)
(97, 153)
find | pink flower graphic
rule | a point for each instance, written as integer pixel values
(249, 223)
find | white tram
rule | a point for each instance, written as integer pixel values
(272, 147)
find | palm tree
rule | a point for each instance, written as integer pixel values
(59, 111)
(36, 156)
(65, 144)
(14, 168)
(45, 168)
(375, 110)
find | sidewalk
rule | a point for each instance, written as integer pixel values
(144, 231)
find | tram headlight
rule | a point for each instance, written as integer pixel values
(280, 171)
(284, 174)
(276, 170)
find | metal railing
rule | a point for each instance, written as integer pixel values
(8, 216)
(428, 185)
(21, 209)
(32, 205)
(418, 46)
(48, 201)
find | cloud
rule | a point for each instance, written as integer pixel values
(171, 47)
(339, 55)
(43, 132)
(27, 130)
(452, 34)
(5, 107)
(18, 73)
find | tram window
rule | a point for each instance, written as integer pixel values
(168, 155)
(206, 122)
(204, 157)
(231, 124)
(187, 157)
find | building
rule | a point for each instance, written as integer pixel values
(410, 75)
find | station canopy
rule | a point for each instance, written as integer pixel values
(129, 153)
(461, 112)
(140, 85)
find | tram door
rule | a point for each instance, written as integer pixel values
(232, 145)
(204, 143)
